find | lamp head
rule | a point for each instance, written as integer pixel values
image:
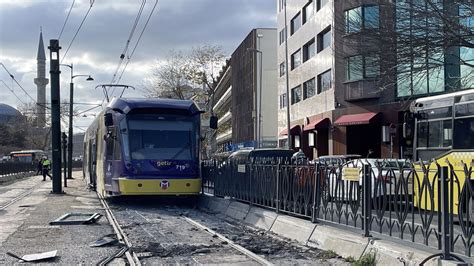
(89, 78)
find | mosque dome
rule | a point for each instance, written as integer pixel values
(7, 112)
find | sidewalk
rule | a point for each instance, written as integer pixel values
(25, 229)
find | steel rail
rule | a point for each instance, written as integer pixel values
(20, 196)
(132, 257)
(237, 247)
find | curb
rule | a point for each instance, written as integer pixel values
(325, 237)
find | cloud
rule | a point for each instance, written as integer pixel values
(176, 24)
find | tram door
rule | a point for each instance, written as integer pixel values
(93, 163)
(112, 156)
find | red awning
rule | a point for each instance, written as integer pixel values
(356, 119)
(292, 129)
(319, 123)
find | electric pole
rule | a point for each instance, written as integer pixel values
(65, 166)
(55, 114)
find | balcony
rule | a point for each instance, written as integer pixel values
(361, 90)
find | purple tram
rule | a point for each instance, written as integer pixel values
(144, 147)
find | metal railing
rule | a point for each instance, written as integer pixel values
(11, 168)
(422, 203)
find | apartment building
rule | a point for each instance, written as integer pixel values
(245, 93)
(346, 93)
(222, 108)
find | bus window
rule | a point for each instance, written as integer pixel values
(422, 135)
(464, 110)
(463, 138)
(434, 134)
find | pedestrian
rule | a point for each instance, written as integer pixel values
(39, 167)
(46, 167)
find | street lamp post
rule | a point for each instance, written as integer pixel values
(71, 105)
(259, 98)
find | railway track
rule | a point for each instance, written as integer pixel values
(235, 246)
(20, 196)
(132, 257)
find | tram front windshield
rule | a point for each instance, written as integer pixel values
(160, 137)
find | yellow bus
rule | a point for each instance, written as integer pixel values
(444, 136)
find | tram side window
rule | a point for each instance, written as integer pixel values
(434, 134)
(463, 130)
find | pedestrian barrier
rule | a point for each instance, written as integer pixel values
(10, 168)
(410, 201)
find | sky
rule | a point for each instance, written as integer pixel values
(96, 50)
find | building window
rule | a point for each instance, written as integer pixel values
(321, 3)
(283, 100)
(296, 59)
(354, 68)
(324, 39)
(324, 81)
(295, 23)
(363, 17)
(309, 88)
(282, 69)
(281, 4)
(296, 94)
(309, 50)
(308, 11)
(359, 67)
(371, 17)
(282, 36)
(371, 66)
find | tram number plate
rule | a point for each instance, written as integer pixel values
(241, 168)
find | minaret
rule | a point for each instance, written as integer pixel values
(41, 81)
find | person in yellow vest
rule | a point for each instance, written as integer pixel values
(46, 167)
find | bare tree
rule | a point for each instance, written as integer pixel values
(38, 137)
(190, 75)
(171, 79)
(207, 61)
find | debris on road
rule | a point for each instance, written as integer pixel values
(35, 257)
(68, 219)
(107, 240)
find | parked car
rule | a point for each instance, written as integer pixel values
(260, 155)
(346, 182)
(336, 159)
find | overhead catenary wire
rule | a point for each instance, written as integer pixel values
(10, 89)
(132, 32)
(21, 87)
(65, 21)
(78, 30)
(138, 40)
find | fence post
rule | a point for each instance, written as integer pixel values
(446, 234)
(367, 193)
(278, 172)
(317, 194)
(250, 175)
